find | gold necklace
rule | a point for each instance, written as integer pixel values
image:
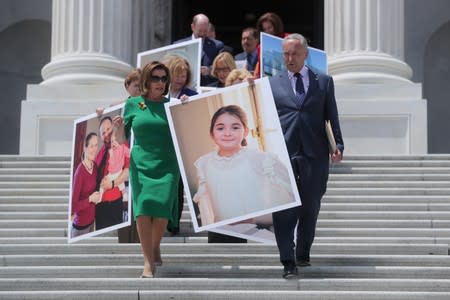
(87, 167)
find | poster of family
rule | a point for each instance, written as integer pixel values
(99, 199)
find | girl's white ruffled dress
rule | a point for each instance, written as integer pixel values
(246, 182)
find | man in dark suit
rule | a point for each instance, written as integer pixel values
(304, 100)
(210, 47)
(249, 42)
(212, 35)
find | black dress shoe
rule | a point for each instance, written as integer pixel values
(303, 263)
(174, 231)
(290, 271)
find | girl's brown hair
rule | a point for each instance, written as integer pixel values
(233, 110)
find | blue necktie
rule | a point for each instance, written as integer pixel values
(250, 62)
(299, 89)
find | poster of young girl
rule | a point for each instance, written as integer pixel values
(232, 155)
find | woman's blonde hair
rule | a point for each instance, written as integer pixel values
(237, 74)
(224, 58)
(179, 65)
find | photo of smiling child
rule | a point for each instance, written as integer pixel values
(233, 179)
(118, 153)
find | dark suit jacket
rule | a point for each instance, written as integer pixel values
(187, 91)
(243, 56)
(210, 49)
(304, 126)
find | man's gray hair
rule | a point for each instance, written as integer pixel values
(299, 37)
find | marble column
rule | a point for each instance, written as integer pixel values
(364, 40)
(381, 111)
(90, 42)
(94, 45)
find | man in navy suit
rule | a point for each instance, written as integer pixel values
(210, 47)
(304, 100)
(249, 42)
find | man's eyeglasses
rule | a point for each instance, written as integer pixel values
(156, 79)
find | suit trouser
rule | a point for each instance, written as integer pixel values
(108, 213)
(311, 184)
(214, 237)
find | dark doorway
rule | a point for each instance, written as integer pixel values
(230, 17)
(437, 90)
(25, 50)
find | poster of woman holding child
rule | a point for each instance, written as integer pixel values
(98, 201)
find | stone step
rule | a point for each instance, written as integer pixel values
(418, 207)
(202, 294)
(379, 184)
(386, 170)
(385, 215)
(61, 192)
(201, 238)
(33, 199)
(60, 240)
(171, 284)
(251, 248)
(443, 163)
(380, 230)
(321, 223)
(34, 185)
(33, 158)
(338, 233)
(64, 192)
(389, 177)
(388, 191)
(349, 223)
(398, 227)
(375, 211)
(34, 164)
(17, 216)
(388, 157)
(35, 171)
(204, 259)
(338, 202)
(224, 271)
(383, 232)
(384, 240)
(381, 199)
(58, 204)
(8, 209)
(325, 214)
(29, 181)
(34, 177)
(33, 232)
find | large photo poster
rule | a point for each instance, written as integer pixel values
(232, 156)
(99, 198)
(272, 59)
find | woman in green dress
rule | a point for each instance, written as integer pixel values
(154, 172)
